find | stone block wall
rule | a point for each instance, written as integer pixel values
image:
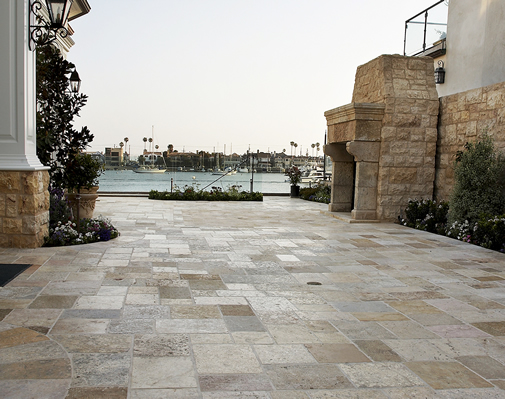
(409, 128)
(464, 117)
(24, 208)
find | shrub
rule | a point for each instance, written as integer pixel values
(190, 193)
(427, 215)
(317, 193)
(478, 187)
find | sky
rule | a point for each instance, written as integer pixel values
(226, 75)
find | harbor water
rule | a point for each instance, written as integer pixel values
(129, 181)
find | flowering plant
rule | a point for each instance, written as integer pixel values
(294, 174)
(91, 230)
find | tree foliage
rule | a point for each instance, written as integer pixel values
(58, 143)
(479, 184)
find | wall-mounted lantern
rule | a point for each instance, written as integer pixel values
(440, 73)
(75, 82)
(41, 32)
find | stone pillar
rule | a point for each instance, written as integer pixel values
(342, 177)
(366, 155)
(24, 200)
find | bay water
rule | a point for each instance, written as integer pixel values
(129, 181)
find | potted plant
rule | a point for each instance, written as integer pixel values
(295, 175)
(81, 181)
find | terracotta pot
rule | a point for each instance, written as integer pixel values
(87, 202)
(295, 191)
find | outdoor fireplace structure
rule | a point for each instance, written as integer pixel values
(383, 144)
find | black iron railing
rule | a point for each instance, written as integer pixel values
(425, 32)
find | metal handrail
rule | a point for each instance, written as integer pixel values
(425, 23)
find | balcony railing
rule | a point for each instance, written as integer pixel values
(425, 32)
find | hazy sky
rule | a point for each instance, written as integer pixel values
(234, 73)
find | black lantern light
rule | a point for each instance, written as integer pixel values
(75, 82)
(42, 32)
(440, 73)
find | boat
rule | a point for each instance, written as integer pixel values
(151, 168)
(147, 169)
(315, 175)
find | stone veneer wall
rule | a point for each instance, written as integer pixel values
(464, 117)
(24, 208)
(409, 130)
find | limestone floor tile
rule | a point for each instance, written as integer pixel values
(94, 343)
(53, 302)
(306, 377)
(362, 330)
(496, 328)
(98, 393)
(178, 393)
(157, 345)
(280, 354)
(195, 312)
(380, 375)
(31, 388)
(378, 351)
(289, 394)
(336, 353)
(213, 339)
(243, 323)
(407, 329)
(142, 299)
(191, 326)
(100, 369)
(291, 334)
(485, 366)
(237, 395)
(51, 369)
(415, 392)
(163, 372)
(91, 314)
(225, 359)
(351, 394)
(252, 337)
(447, 375)
(100, 302)
(19, 336)
(235, 382)
(131, 326)
(236, 310)
(146, 312)
(80, 326)
(458, 331)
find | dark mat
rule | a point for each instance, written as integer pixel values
(9, 272)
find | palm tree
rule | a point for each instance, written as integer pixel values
(150, 144)
(145, 141)
(170, 148)
(121, 145)
(292, 143)
(313, 146)
(283, 150)
(317, 149)
(295, 145)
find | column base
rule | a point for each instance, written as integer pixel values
(359, 214)
(24, 208)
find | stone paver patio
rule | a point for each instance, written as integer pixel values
(253, 300)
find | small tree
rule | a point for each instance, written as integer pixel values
(58, 143)
(479, 184)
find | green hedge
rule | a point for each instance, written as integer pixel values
(190, 193)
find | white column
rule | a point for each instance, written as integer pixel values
(17, 90)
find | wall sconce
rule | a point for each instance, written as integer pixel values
(43, 32)
(440, 73)
(75, 82)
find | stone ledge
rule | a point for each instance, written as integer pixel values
(346, 217)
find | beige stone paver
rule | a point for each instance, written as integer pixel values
(212, 300)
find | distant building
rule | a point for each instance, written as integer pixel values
(114, 156)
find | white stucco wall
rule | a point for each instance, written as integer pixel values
(475, 45)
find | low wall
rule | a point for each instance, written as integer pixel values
(464, 117)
